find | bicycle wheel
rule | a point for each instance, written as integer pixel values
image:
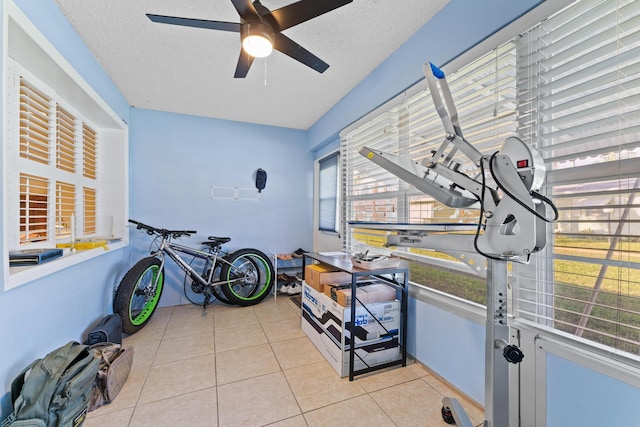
(138, 294)
(207, 291)
(250, 276)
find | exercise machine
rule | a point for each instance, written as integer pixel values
(512, 225)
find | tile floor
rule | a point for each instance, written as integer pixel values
(253, 366)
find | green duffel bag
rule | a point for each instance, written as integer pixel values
(54, 391)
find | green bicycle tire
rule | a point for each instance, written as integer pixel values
(256, 274)
(136, 300)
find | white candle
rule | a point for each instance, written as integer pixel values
(73, 229)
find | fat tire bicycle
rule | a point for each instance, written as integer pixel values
(244, 277)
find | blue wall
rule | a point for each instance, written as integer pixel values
(449, 345)
(197, 153)
(578, 396)
(44, 314)
(454, 30)
(200, 153)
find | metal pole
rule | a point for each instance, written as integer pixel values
(496, 367)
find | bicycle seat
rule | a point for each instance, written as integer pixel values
(214, 242)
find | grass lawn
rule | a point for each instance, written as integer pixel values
(615, 316)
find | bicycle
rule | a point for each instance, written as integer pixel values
(244, 277)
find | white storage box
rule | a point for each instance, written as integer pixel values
(376, 339)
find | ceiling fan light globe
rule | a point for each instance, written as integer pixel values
(257, 46)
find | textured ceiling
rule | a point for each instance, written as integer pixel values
(190, 70)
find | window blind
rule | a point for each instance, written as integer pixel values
(50, 136)
(485, 96)
(570, 87)
(65, 140)
(34, 208)
(328, 193)
(65, 207)
(34, 123)
(89, 151)
(90, 210)
(579, 95)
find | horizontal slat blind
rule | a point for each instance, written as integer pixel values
(65, 140)
(35, 126)
(90, 210)
(570, 87)
(89, 151)
(65, 208)
(34, 208)
(580, 93)
(485, 96)
(50, 135)
(328, 193)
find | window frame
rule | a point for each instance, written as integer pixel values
(326, 195)
(30, 52)
(64, 166)
(410, 92)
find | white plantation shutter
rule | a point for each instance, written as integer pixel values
(58, 154)
(34, 208)
(89, 151)
(34, 146)
(65, 140)
(89, 203)
(65, 207)
(90, 172)
(35, 126)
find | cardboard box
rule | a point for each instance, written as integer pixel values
(325, 322)
(341, 293)
(379, 292)
(367, 293)
(318, 275)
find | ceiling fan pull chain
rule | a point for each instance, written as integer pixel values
(265, 72)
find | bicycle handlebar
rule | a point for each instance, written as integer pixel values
(162, 231)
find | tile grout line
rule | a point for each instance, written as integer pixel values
(146, 376)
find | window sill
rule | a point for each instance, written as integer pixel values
(21, 275)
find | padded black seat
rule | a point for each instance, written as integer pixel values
(214, 242)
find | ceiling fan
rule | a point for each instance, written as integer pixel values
(261, 29)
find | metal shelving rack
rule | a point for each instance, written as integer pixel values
(384, 275)
(285, 264)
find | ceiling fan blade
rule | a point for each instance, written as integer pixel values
(245, 9)
(292, 49)
(304, 10)
(244, 63)
(197, 23)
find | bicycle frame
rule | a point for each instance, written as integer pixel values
(248, 275)
(172, 250)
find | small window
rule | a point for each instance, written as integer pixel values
(328, 194)
(50, 170)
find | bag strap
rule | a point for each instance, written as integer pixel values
(9, 420)
(104, 350)
(18, 382)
